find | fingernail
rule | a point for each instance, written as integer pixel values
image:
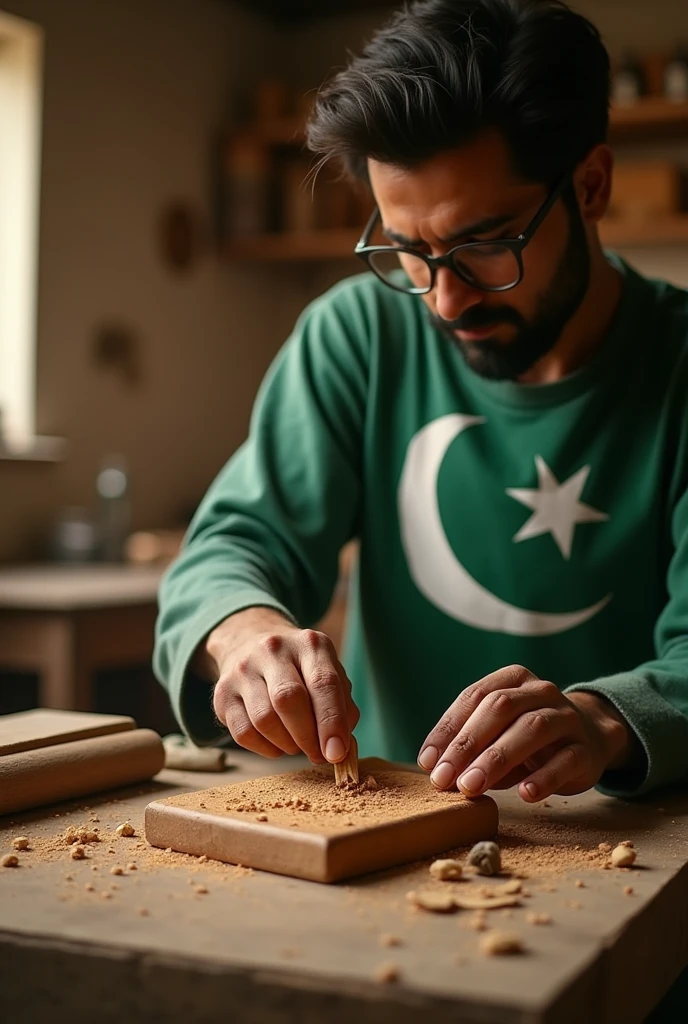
(443, 775)
(473, 781)
(335, 751)
(531, 789)
(428, 758)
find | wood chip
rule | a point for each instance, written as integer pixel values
(347, 770)
(10, 860)
(535, 917)
(623, 856)
(21, 843)
(435, 902)
(446, 870)
(501, 944)
(126, 830)
(386, 973)
(485, 902)
(510, 888)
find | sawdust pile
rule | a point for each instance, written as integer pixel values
(310, 800)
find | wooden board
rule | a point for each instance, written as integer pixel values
(30, 730)
(412, 821)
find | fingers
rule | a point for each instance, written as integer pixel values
(328, 689)
(288, 693)
(494, 715)
(568, 771)
(292, 716)
(521, 741)
(453, 721)
(244, 733)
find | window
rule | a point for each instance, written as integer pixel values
(21, 45)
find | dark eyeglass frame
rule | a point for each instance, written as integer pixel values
(515, 245)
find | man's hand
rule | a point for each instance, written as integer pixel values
(512, 728)
(279, 689)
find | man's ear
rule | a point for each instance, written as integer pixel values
(593, 183)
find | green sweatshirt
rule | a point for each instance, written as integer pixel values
(499, 523)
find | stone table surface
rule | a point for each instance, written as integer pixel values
(151, 945)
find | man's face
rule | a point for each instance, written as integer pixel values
(449, 200)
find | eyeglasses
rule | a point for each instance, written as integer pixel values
(491, 266)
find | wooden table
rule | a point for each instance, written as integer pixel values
(263, 949)
(68, 622)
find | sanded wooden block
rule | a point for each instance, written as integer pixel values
(300, 824)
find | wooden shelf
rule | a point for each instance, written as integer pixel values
(661, 231)
(306, 245)
(651, 117)
(339, 244)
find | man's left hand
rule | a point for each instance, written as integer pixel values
(512, 728)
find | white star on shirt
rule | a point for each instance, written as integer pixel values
(556, 506)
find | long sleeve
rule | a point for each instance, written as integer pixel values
(653, 698)
(269, 531)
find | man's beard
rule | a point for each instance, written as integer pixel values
(535, 338)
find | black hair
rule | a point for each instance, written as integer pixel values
(441, 71)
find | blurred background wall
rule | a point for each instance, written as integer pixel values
(135, 93)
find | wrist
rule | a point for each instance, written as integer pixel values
(619, 743)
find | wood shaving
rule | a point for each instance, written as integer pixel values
(478, 921)
(21, 843)
(385, 974)
(10, 860)
(126, 830)
(486, 902)
(446, 870)
(623, 856)
(435, 902)
(501, 944)
(533, 917)
(80, 835)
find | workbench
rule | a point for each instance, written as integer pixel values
(256, 948)
(67, 622)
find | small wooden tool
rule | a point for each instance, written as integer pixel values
(347, 770)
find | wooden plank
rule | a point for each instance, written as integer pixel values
(322, 847)
(42, 727)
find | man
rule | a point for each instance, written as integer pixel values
(497, 410)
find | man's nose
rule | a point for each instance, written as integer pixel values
(453, 296)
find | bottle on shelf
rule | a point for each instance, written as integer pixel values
(114, 508)
(628, 81)
(676, 76)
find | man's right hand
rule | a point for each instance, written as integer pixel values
(279, 689)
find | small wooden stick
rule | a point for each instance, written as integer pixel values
(347, 770)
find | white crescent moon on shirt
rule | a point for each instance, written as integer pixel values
(434, 567)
